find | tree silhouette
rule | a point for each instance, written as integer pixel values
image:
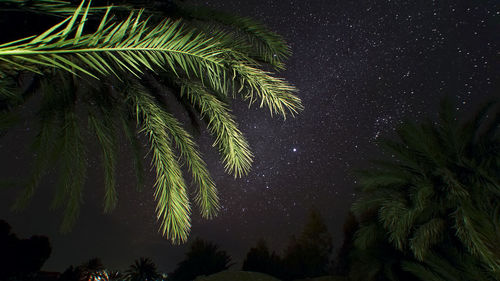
(143, 269)
(203, 258)
(92, 270)
(21, 258)
(112, 68)
(438, 198)
(309, 254)
(259, 259)
(341, 263)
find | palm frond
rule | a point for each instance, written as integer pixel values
(372, 179)
(407, 158)
(59, 8)
(130, 131)
(397, 218)
(478, 234)
(422, 271)
(426, 236)
(43, 146)
(274, 93)
(424, 194)
(105, 131)
(74, 166)
(449, 265)
(173, 208)
(46, 143)
(207, 193)
(9, 92)
(233, 146)
(368, 202)
(366, 235)
(263, 44)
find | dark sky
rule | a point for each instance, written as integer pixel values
(360, 66)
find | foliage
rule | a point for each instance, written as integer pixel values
(258, 259)
(341, 262)
(203, 258)
(92, 270)
(437, 201)
(137, 57)
(143, 269)
(309, 254)
(450, 263)
(372, 257)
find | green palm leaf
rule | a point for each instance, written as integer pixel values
(232, 144)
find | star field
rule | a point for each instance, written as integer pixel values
(361, 67)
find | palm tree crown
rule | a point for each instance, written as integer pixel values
(143, 269)
(441, 188)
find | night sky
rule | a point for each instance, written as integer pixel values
(361, 67)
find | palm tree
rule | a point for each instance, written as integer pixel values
(92, 270)
(439, 190)
(137, 61)
(143, 269)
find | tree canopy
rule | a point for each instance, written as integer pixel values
(436, 201)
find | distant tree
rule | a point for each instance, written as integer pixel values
(143, 269)
(437, 198)
(21, 258)
(309, 255)
(258, 259)
(92, 270)
(203, 258)
(341, 262)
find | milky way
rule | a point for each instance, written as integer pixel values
(361, 67)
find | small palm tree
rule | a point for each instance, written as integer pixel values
(143, 269)
(92, 270)
(440, 189)
(137, 61)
